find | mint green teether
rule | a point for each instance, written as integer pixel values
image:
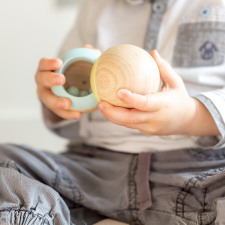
(81, 100)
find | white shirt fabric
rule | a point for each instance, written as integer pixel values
(105, 23)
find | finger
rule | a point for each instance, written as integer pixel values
(88, 46)
(49, 79)
(60, 106)
(113, 114)
(124, 116)
(131, 126)
(91, 47)
(147, 123)
(52, 101)
(67, 114)
(166, 71)
(50, 64)
(149, 103)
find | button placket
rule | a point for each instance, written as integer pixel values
(158, 9)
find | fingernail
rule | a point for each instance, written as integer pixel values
(64, 104)
(157, 54)
(77, 116)
(59, 80)
(100, 107)
(123, 93)
(60, 63)
(120, 94)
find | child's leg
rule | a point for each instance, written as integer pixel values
(105, 181)
(28, 195)
(23, 199)
(187, 187)
(75, 187)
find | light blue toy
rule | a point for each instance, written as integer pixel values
(85, 100)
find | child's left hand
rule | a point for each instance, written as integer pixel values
(170, 111)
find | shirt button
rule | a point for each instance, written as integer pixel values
(158, 7)
(205, 12)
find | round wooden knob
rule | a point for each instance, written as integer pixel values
(124, 67)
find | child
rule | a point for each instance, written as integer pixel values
(161, 162)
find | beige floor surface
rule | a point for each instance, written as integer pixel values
(110, 222)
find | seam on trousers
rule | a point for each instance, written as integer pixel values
(133, 202)
(132, 183)
(77, 196)
(203, 207)
(179, 207)
(191, 183)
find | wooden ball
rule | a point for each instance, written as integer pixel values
(125, 67)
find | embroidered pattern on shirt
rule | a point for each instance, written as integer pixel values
(207, 50)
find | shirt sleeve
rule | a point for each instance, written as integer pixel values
(214, 102)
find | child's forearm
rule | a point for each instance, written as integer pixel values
(202, 122)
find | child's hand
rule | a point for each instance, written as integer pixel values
(171, 111)
(45, 79)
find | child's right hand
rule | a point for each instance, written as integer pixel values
(46, 78)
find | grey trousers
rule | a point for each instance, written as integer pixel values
(87, 184)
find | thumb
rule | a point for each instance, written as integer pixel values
(168, 75)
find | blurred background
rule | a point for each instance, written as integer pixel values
(29, 30)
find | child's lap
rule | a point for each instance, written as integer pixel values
(84, 183)
(187, 186)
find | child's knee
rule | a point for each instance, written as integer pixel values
(24, 200)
